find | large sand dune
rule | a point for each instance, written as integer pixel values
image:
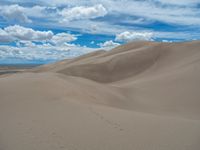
(138, 96)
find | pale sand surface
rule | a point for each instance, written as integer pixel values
(139, 96)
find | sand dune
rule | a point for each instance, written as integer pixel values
(142, 95)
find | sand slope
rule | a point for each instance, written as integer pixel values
(142, 95)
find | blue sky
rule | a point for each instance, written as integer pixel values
(42, 31)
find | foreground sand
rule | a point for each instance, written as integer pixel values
(140, 96)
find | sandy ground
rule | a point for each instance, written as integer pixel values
(139, 96)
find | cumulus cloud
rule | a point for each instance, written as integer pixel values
(62, 38)
(14, 13)
(38, 45)
(17, 33)
(25, 44)
(38, 11)
(5, 37)
(83, 12)
(42, 52)
(109, 44)
(24, 35)
(132, 36)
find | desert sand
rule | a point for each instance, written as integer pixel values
(138, 96)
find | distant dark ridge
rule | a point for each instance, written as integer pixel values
(8, 72)
(15, 68)
(20, 65)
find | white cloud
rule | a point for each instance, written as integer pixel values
(178, 2)
(43, 52)
(19, 33)
(148, 9)
(62, 38)
(14, 13)
(25, 44)
(40, 11)
(5, 37)
(178, 12)
(24, 35)
(132, 36)
(83, 12)
(79, 14)
(109, 44)
(50, 46)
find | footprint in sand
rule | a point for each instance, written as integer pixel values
(109, 122)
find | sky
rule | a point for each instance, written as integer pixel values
(43, 31)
